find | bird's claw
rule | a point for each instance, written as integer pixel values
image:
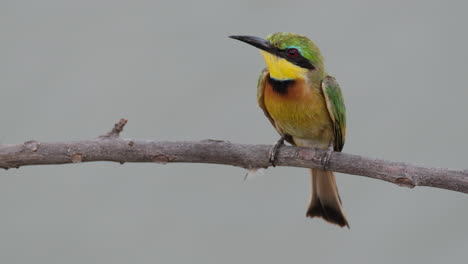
(325, 160)
(274, 151)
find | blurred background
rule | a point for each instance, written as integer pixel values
(70, 69)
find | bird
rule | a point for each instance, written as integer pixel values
(306, 107)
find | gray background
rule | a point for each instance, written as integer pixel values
(70, 69)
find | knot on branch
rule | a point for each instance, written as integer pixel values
(76, 157)
(31, 145)
(405, 182)
(163, 158)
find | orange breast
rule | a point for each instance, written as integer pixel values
(300, 112)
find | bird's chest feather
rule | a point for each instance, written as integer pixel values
(297, 108)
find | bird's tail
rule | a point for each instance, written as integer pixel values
(325, 201)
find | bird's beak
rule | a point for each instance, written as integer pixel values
(256, 42)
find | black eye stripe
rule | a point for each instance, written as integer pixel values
(298, 59)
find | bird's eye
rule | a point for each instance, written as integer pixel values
(292, 52)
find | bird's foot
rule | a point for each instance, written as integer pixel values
(274, 151)
(326, 158)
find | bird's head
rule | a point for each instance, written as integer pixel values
(288, 56)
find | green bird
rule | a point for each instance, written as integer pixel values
(305, 105)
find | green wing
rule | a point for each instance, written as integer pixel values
(336, 108)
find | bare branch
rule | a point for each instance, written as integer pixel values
(112, 148)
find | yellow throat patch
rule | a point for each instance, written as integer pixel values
(281, 69)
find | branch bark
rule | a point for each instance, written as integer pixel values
(110, 147)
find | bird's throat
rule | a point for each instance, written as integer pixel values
(281, 69)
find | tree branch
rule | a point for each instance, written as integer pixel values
(110, 147)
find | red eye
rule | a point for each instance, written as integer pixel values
(292, 52)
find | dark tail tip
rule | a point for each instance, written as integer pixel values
(329, 214)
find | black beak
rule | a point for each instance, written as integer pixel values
(266, 46)
(256, 42)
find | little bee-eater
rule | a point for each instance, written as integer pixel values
(305, 105)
